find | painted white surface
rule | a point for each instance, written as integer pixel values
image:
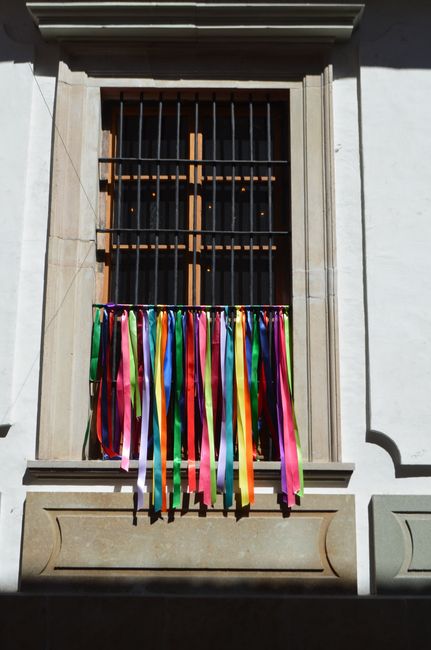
(397, 190)
(396, 153)
(24, 169)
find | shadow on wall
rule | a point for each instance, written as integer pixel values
(104, 621)
(20, 41)
(395, 34)
(392, 33)
(402, 470)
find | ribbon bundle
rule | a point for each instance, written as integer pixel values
(213, 386)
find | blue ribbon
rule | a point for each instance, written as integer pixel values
(229, 412)
(167, 364)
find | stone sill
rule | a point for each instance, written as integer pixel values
(61, 472)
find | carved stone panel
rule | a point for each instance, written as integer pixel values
(87, 540)
(401, 542)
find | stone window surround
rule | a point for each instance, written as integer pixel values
(74, 277)
(73, 274)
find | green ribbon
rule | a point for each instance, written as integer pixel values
(134, 368)
(289, 375)
(95, 346)
(177, 410)
(254, 376)
(229, 413)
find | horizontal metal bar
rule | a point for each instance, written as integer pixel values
(183, 231)
(190, 307)
(194, 161)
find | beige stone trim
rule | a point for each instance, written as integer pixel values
(40, 472)
(74, 540)
(257, 22)
(74, 279)
(313, 261)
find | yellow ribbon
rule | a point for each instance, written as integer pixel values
(241, 415)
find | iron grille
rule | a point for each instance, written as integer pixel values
(198, 202)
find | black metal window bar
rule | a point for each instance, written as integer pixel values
(197, 198)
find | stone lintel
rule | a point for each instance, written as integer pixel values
(193, 21)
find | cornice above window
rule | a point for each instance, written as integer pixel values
(257, 22)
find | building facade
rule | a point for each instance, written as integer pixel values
(353, 82)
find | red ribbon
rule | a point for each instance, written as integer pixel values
(190, 401)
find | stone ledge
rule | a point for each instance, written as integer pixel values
(56, 472)
(193, 21)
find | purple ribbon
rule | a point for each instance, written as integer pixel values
(143, 450)
(198, 379)
(221, 470)
(279, 407)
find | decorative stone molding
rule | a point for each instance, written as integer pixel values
(195, 21)
(401, 542)
(74, 276)
(91, 540)
(109, 471)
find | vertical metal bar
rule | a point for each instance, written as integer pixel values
(269, 145)
(138, 201)
(232, 241)
(251, 198)
(214, 186)
(156, 252)
(177, 201)
(119, 198)
(195, 198)
(117, 260)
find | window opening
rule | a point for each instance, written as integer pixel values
(198, 205)
(197, 222)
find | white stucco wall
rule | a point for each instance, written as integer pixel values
(397, 168)
(25, 120)
(393, 88)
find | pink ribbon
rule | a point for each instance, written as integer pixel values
(221, 470)
(205, 470)
(288, 425)
(127, 416)
(143, 450)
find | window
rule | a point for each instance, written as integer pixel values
(197, 214)
(197, 199)
(78, 273)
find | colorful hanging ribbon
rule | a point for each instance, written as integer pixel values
(146, 401)
(226, 371)
(177, 413)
